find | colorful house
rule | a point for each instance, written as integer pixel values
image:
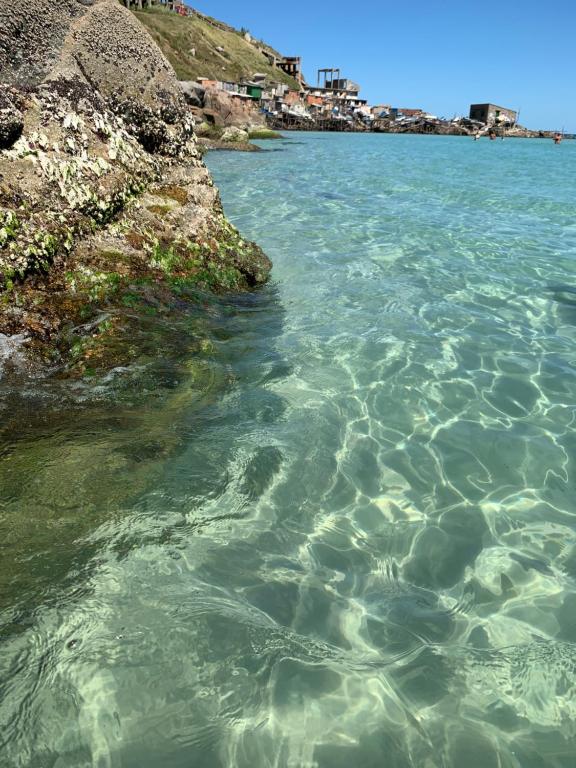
(254, 90)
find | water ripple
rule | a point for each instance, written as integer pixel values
(340, 531)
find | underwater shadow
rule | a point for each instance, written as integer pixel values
(80, 454)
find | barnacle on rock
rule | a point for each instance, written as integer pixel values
(104, 186)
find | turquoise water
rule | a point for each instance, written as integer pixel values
(344, 533)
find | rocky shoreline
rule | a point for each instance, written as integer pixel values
(104, 198)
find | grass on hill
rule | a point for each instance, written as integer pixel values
(191, 45)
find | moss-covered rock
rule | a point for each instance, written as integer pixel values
(103, 193)
(264, 133)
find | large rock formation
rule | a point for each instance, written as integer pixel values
(97, 40)
(101, 183)
(225, 110)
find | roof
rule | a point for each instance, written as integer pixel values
(489, 104)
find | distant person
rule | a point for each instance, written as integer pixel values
(557, 138)
(477, 135)
(492, 135)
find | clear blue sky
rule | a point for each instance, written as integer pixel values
(439, 55)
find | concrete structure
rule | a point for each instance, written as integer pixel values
(334, 94)
(491, 114)
(328, 75)
(174, 5)
(343, 84)
(338, 100)
(291, 65)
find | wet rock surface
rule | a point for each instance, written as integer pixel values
(102, 186)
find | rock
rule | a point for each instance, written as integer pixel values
(11, 122)
(227, 110)
(101, 180)
(207, 129)
(234, 134)
(10, 129)
(207, 143)
(101, 43)
(193, 93)
(263, 133)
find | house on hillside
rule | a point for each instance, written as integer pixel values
(273, 97)
(314, 101)
(291, 65)
(232, 87)
(253, 89)
(178, 6)
(207, 82)
(291, 98)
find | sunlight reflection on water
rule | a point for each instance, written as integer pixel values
(347, 535)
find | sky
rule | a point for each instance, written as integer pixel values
(436, 55)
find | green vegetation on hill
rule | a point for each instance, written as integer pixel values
(192, 44)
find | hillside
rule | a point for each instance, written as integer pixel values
(192, 44)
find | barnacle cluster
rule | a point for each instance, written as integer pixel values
(102, 200)
(90, 166)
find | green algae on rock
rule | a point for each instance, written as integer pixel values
(102, 187)
(264, 134)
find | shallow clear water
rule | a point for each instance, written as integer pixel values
(343, 533)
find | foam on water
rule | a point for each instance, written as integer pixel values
(359, 548)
